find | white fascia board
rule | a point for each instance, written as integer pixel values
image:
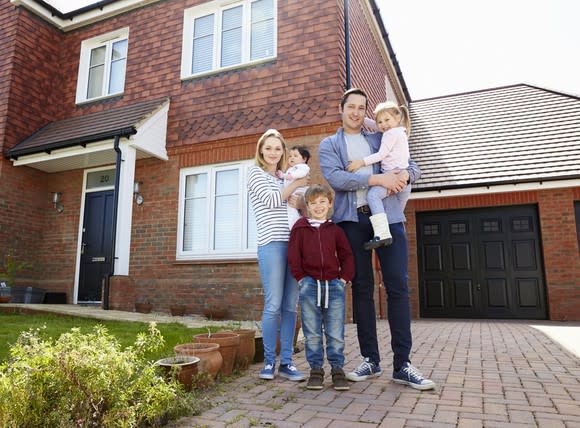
(503, 188)
(151, 134)
(64, 153)
(83, 19)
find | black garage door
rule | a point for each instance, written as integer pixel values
(483, 263)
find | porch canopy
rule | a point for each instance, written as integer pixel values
(87, 141)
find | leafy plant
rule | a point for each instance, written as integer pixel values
(11, 267)
(85, 380)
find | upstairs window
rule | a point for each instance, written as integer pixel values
(221, 35)
(102, 66)
(215, 217)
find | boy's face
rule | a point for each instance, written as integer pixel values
(386, 121)
(295, 158)
(319, 207)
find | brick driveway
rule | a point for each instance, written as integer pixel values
(489, 374)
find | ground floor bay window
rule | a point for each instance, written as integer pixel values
(215, 217)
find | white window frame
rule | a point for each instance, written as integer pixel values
(216, 7)
(84, 63)
(207, 253)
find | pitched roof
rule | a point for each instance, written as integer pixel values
(511, 134)
(81, 130)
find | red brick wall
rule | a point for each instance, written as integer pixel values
(368, 69)
(158, 277)
(558, 238)
(229, 104)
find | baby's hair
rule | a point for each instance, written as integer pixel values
(303, 152)
(395, 110)
(317, 190)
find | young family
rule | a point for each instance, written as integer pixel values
(311, 259)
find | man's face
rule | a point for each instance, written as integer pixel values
(353, 113)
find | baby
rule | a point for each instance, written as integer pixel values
(297, 160)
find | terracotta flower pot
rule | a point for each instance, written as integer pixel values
(143, 308)
(229, 344)
(177, 310)
(247, 349)
(183, 367)
(208, 353)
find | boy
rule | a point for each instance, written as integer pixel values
(321, 260)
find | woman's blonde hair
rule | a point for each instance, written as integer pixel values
(259, 158)
(396, 111)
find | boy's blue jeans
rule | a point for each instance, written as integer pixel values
(319, 320)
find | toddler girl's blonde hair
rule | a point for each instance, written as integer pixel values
(401, 112)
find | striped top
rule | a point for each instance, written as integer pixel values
(269, 208)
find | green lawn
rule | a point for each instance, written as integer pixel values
(125, 331)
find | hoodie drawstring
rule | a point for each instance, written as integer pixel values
(318, 292)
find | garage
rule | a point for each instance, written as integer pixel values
(481, 263)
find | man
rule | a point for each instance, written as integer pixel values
(352, 213)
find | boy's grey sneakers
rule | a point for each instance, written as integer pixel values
(290, 372)
(366, 370)
(267, 372)
(316, 379)
(339, 382)
(409, 375)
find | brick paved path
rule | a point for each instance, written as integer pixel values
(489, 374)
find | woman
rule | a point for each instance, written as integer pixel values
(269, 200)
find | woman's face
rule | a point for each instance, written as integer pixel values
(272, 151)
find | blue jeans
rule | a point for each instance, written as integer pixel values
(394, 268)
(318, 319)
(280, 301)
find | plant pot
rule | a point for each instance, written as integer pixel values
(259, 343)
(215, 313)
(247, 349)
(177, 310)
(143, 308)
(229, 344)
(209, 354)
(184, 368)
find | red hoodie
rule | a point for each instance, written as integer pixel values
(320, 252)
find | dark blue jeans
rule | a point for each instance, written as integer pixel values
(394, 268)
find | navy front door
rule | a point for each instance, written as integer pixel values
(96, 245)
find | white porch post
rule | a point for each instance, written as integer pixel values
(125, 208)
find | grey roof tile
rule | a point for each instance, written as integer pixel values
(516, 133)
(88, 128)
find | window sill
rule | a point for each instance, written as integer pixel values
(225, 70)
(215, 261)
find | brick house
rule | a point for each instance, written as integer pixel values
(173, 96)
(127, 127)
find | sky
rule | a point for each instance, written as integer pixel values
(451, 46)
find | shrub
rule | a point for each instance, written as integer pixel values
(84, 380)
